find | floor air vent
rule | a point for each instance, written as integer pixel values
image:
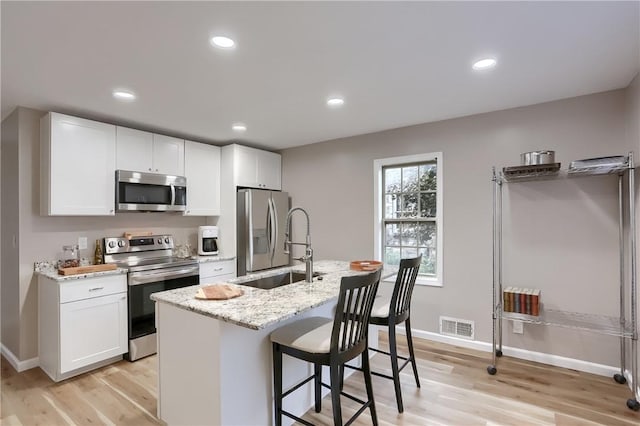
(457, 327)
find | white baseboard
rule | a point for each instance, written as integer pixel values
(16, 363)
(555, 360)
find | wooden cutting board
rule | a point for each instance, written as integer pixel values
(218, 292)
(87, 269)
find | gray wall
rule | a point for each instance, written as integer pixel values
(563, 234)
(42, 237)
(9, 230)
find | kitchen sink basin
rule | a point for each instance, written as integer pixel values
(279, 280)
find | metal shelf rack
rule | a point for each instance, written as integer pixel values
(622, 327)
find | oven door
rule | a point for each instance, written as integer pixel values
(143, 283)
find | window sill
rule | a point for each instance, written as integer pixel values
(429, 282)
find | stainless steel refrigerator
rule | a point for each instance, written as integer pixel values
(261, 225)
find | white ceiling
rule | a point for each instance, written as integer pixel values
(395, 63)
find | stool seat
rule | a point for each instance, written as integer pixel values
(311, 335)
(381, 307)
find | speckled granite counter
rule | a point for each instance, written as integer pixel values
(258, 309)
(216, 258)
(48, 270)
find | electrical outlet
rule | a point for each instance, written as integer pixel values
(518, 327)
(82, 243)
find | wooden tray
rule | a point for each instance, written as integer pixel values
(87, 269)
(218, 292)
(365, 265)
(131, 234)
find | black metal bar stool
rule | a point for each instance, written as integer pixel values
(331, 342)
(394, 311)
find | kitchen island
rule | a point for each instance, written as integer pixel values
(214, 357)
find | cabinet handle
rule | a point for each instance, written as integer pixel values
(218, 269)
(150, 169)
(96, 288)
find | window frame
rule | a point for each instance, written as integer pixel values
(379, 199)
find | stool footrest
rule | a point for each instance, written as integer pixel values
(346, 395)
(375, 373)
(308, 379)
(296, 418)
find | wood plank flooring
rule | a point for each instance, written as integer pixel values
(456, 390)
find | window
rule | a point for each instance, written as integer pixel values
(408, 212)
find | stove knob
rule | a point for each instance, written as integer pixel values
(159, 240)
(112, 244)
(166, 240)
(120, 243)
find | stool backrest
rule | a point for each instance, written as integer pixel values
(403, 289)
(351, 323)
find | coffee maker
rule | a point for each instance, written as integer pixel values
(207, 240)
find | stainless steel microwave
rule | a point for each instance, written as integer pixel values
(150, 192)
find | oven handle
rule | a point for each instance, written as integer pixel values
(144, 277)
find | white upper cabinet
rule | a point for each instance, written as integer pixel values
(255, 168)
(168, 155)
(134, 150)
(149, 152)
(77, 164)
(202, 170)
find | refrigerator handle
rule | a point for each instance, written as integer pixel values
(270, 228)
(274, 228)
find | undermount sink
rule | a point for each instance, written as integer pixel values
(279, 280)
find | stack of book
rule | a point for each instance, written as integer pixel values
(521, 300)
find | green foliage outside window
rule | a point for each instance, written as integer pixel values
(409, 214)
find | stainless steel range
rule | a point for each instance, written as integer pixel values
(152, 268)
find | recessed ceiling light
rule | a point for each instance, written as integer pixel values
(335, 101)
(484, 64)
(223, 42)
(124, 95)
(239, 127)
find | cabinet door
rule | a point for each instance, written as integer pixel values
(79, 177)
(212, 272)
(269, 165)
(245, 166)
(168, 155)
(202, 169)
(255, 168)
(134, 150)
(92, 330)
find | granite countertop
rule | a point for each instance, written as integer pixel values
(214, 258)
(52, 273)
(257, 308)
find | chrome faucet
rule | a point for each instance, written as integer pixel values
(308, 255)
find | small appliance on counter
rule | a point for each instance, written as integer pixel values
(207, 240)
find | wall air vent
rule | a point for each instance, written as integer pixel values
(457, 327)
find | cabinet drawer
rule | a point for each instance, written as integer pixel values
(213, 269)
(86, 288)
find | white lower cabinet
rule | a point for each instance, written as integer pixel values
(82, 324)
(215, 272)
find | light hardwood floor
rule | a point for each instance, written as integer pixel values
(456, 390)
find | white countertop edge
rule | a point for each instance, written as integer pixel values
(53, 274)
(214, 258)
